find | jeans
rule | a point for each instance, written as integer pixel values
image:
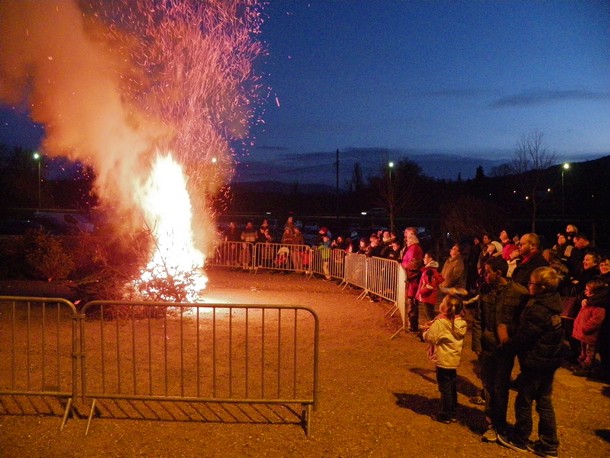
(413, 314)
(447, 386)
(496, 369)
(536, 386)
(429, 309)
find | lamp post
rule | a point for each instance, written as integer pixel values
(391, 194)
(564, 167)
(38, 158)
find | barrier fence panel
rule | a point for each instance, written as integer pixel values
(271, 256)
(137, 353)
(38, 351)
(320, 262)
(355, 270)
(227, 254)
(278, 256)
(401, 296)
(382, 277)
(337, 263)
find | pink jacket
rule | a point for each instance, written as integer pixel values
(412, 261)
(428, 284)
(588, 322)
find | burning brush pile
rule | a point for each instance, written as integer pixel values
(157, 97)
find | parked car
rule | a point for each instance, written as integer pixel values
(64, 223)
(311, 226)
(310, 236)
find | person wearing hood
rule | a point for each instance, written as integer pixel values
(429, 281)
(538, 343)
(445, 335)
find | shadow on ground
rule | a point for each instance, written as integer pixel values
(472, 417)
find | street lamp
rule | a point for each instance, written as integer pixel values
(564, 167)
(391, 195)
(38, 158)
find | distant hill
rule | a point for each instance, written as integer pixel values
(319, 167)
(284, 188)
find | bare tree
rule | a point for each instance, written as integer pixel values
(530, 164)
(356, 183)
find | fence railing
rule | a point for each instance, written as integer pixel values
(38, 354)
(121, 359)
(378, 277)
(257, 354)
(192, 353)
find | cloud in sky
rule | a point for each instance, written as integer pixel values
(430, 77)
(542, 97)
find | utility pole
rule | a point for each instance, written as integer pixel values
(337, 189)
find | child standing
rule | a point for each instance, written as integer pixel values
(587, 325)
(446, 336)
(324, 248)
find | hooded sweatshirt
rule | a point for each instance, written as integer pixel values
(539, 338)
(431, 278)
(448, 340)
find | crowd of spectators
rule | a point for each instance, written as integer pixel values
(544, 305)
(583, 268)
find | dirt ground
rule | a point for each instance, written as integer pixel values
(376, 396)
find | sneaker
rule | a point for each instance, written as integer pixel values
(512, 444)
(489, 435)
(581, 372)
(541, 450)
(478, 400)
(440, 419)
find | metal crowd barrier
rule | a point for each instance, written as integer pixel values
(198, 353)
(355, 270)
(382, 277)
(233, 254)
(38, 355)
(379, 277)
(125, 359)
(278, 256)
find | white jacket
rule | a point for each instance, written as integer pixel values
(447, 341)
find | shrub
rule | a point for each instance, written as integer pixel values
(46, 256)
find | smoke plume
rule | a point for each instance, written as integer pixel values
(116, 82)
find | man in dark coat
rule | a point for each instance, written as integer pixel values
(496, 320)
(531, 258)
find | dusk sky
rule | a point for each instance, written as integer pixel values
(437, 77)
(413, 78)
